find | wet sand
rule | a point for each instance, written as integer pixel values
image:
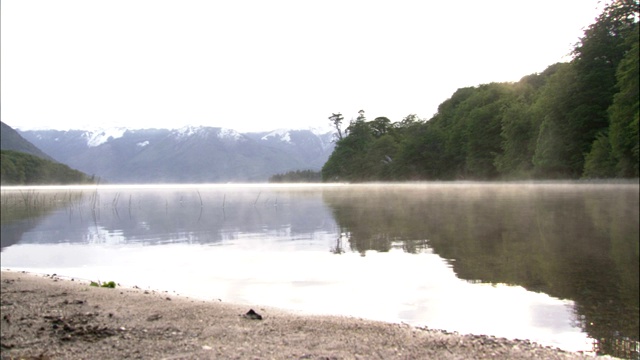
(46, 317)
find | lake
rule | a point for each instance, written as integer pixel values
(556, 263)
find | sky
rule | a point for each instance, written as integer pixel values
(255, 65)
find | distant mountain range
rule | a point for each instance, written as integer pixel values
(186, 155)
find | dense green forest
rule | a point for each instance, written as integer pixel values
(18, 168)
(297, 176)
(573, 120)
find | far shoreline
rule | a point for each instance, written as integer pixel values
(249, 185)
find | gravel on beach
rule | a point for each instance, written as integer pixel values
(48, 317)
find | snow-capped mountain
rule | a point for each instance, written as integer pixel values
(280, 134)
(189, 154)
(99, 137)
(313, 148)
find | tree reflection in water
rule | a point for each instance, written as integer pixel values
(577, 242)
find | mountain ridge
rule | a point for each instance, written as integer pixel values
(10, 139)
(189, 154)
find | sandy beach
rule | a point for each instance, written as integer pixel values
(47, 317)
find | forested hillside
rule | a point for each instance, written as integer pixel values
(11, 140)
(573, 120)
(17, 168)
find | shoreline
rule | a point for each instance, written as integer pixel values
(49, 317)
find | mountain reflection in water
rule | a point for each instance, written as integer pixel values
(554, 263)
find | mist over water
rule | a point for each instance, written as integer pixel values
(556, 263)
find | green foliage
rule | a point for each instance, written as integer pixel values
(297, 176)
(482, 130)
(353, 146)
(606, 46)
(624, 112)
(17, 168)
(599, 162)
(550, 149)
(110, 284)
(555, 153)
(547, 125)
(420, 153)
(519, 130)
(461, 141)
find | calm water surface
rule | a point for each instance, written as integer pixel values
(554, 263)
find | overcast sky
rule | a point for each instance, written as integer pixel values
(256, 65)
